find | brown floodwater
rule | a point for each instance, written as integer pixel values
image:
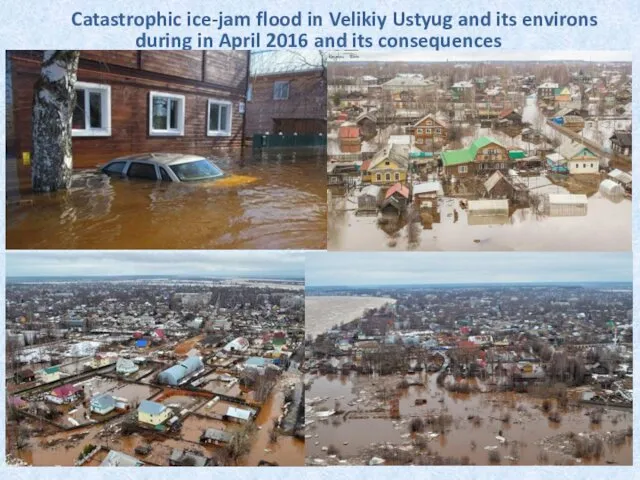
(273, 200)
(528, 426)
(605, 227)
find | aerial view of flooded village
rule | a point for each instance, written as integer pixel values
(148, 362)
(468, 359)
(528, 152)
(166, 149)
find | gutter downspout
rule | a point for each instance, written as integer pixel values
(246, 101)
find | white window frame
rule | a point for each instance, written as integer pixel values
(281, 82)
(105, 106)
(219, 133)
(177, 132)
(462, 169)
(419, 131)
(250, 92)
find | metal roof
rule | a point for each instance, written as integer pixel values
(151, 408)
(239, 413)
(567, 199)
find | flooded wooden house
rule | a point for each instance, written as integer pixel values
(483, 156)
(499, 185)
(395, 200)
(136, 101)
(621, 142)
(287, 93)
(349, 138)
(369, 199)
(368, 124)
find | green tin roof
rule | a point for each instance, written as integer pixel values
(516, 154)
(466, 155)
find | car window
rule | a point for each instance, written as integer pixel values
(164, 175)
(142, 170)
(114, 168)
(198, 170)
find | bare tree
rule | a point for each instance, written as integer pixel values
(53, 104)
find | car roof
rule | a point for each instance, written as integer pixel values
(161, 158)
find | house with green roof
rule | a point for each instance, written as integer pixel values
(50, 374)
(483, 157)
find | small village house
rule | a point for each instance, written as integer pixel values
(390, 165)
(153, 413)
(396, 199)
(368, 124)
(349, 138)
(499, 185)
(579, 159)
(483, 156)
(370, 198)
(214, 436)
(621, 141)
(239, 415)
(50, 374)
(102, 404)
(64, 394)
(430, 132)
(546, 91)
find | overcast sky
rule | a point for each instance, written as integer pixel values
(212, 263)
(352, 269)
(503, 55)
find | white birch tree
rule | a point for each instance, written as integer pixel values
(53, 104)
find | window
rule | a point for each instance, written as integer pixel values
(584, 165)
(592, 165)
(419, 141)
(198, 170)
(219, 118)
(438, 131)
(387, 163)
(92, 112)
(397, 176)
(419, 131)
(166, 114)
(428, 131)
(250, 92)
(114, 168)
(378, 177)
(164, 175)
(388, 177)
(280, 90)
(462, 169)
(142, 170)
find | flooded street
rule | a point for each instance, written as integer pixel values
(285, 207)
(322, 313)
(606, 226)
(529, 434)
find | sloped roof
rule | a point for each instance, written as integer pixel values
(399, 189)
(394, 152)
(570, 150)
(456, 157)
(65, 390)
(215, 434)
(623, 137)
(493, 180)
(119, 459)
(621, 176)
(239, 413)
(151, 408)
(103, 401)
(440, 121)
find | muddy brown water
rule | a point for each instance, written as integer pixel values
(528, 425)
(285, 207)
(605, 227)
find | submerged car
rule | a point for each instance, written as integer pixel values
(169, 167)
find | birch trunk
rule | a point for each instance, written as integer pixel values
(53, 104)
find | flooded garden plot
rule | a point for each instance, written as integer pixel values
(350, 420)
(285, 207)
(606, 226)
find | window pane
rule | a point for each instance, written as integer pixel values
(214, 115)
(160, 106)
(223, 117)
(115, 167)
(95, 110)
(173, 114)
(78, 111)
(142, 170)
(164, 175)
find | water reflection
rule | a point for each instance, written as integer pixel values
(285, 207)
